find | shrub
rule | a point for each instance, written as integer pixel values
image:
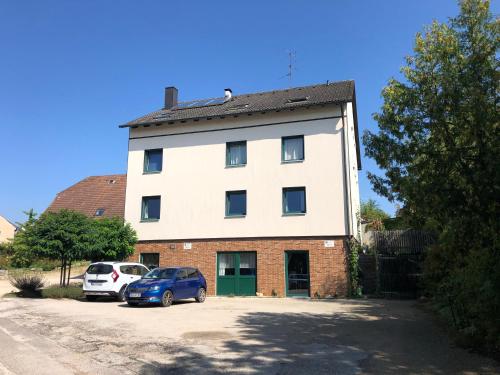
(45, 264)
(4, 262)
(465, 293)
(73, 291)
(354, 286)
(21, 258)
(27, 282)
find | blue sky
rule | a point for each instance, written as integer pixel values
(72, 71)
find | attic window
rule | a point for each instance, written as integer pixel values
(297, 100)
(99, 212)
(238, 107)
(162, 116)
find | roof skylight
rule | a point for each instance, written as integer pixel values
(298, 100)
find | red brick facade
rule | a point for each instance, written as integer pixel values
(327, 265)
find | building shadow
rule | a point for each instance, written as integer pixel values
(370, 339)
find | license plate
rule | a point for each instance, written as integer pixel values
(135, 295)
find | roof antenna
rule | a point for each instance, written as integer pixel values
(291, 57)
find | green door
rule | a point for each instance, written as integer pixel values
(236, 273)
(297, 273)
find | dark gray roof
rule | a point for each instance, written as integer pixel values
(334, 92)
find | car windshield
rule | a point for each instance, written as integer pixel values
(160, 273)
(100, 269)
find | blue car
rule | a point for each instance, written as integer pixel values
(165, 285)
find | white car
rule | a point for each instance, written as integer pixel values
(111, 279)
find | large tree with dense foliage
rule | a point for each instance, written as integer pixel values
(112, 239)
(69, 236)
(439, 147)
(65, 235)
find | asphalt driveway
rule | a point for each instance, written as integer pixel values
(228, 335)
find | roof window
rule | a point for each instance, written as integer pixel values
(297, 100)
(237, 107)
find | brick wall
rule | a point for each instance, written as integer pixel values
(327, 265)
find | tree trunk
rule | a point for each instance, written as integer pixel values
(61, 273)
(69, 272)
(64, 273)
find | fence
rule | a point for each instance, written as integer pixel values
(398, 256)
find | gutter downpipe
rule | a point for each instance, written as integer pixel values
(347, 173)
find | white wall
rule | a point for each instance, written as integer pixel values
(194, 177)
(352, 170)
(7, 230)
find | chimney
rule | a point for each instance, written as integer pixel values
(170, 97)
(228, 94)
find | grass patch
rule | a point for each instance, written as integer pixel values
(73, 291)
(10, 295)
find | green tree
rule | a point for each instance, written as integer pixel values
(112, 239)
(373, 214)
(22, 244)
(438, 144)
(65, 236)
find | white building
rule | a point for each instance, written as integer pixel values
(259, 191)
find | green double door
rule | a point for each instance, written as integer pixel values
(236, 273)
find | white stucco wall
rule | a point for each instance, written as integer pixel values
(352, 172)
(194, 178)
(7, 230)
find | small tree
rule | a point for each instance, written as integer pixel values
(66, 236)
(373, 214)
(112, 239)
(22, 244)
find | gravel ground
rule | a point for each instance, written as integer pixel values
(228, 336)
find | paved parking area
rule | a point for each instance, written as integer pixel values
(228, 335)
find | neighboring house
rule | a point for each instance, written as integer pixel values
(259, 191)
(95, 196)
(7, 230)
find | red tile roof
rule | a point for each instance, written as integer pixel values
(93, 193)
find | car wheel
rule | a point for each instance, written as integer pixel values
(167, 298)
(120, 297)
(91, 298)
(133, 304)
(201, 295)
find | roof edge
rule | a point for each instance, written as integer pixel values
(305, 105)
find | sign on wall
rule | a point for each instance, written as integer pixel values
(330, 243)
(188, 245)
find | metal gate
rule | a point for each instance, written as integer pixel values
(399, 256)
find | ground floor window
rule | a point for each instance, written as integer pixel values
(150, 260)
(226, 264)
(247, 264)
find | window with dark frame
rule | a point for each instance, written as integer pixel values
(151, 208)
(294, 201)
(153, 160)
(236, 203)
(99, 212)
(292, 148)
(236, 154)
